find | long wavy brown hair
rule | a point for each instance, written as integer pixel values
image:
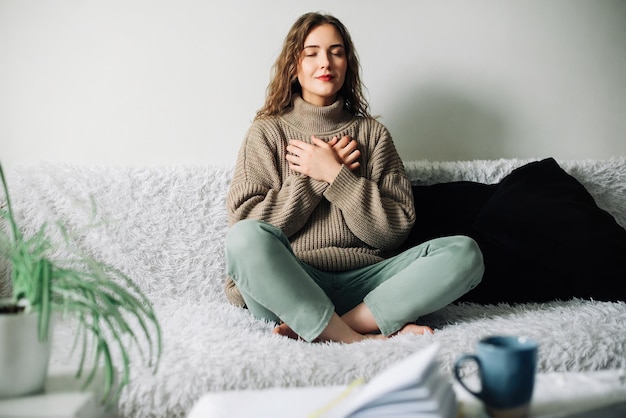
(284, 83)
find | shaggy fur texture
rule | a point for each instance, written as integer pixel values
(165, 228)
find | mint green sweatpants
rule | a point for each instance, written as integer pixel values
(276, 285)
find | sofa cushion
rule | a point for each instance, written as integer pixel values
(544, 238)
(445, 209)
(541, 233)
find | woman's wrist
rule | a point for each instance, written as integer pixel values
(334, 174)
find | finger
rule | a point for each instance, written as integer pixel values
(352, 157)
(291, 159)
(345, 140)
(318, 142)
(297, 143)
(333, 141)
(296, 168)
(340, 144)
(298, 147)
(350, 147)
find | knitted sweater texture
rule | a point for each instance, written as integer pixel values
(359, 219)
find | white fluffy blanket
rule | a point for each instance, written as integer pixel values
(165, 228)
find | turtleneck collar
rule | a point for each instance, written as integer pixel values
(317, 119)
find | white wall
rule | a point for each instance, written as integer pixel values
(176, 82)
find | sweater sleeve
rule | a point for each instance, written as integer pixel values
(263, 189)
(378, 208)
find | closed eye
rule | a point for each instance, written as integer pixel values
(337, 50)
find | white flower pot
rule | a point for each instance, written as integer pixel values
(23, 358)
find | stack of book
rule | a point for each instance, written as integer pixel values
(413, 387)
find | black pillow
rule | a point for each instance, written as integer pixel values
(446, 209)
(544, 238)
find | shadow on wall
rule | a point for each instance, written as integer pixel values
(440, 124)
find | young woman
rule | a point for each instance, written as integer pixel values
(320, 201)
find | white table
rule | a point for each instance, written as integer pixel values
(556, 395)
(571, 395)
(62, 398)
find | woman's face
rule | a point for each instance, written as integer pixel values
(322, 66)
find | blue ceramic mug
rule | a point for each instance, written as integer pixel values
(506, 366)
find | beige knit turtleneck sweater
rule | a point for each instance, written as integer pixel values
(359, 219)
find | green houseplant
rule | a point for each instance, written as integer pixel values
(111, 313)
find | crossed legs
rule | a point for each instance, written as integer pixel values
(387, 298)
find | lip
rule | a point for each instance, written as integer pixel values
(325, 77)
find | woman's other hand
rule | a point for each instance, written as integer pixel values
(346, 150)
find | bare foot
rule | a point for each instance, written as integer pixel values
(415, 329)
(284, 330)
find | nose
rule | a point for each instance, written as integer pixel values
(324, 61)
